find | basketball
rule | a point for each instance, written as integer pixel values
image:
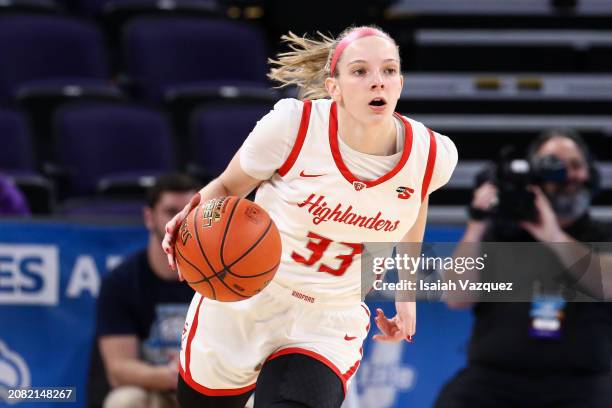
(228, 249)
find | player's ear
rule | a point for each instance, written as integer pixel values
(333, 89)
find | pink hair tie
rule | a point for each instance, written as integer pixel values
(354, 35)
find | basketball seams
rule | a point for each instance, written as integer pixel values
(204, 277)
(195, 227)
(261, 237)
(222, 242)
(227, 225)
(233, 285)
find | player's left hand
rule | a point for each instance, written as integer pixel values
(546, 228)
(401, 327)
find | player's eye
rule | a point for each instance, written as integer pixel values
(359, 71)
(390, 71)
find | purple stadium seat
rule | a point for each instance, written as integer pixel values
(111, 142)
(161, 53)
(16, 153)
(218, 132)
(16, 161)
(41, 47)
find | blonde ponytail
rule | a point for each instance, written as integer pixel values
(307, 64)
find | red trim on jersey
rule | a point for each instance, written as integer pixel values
(215, 392)
(431, 161)
(350, 177)
(299, 141)
(366, 310)
(344, 377)
(368, 313)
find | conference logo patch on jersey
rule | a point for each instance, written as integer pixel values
(404, 192)
(358, 185)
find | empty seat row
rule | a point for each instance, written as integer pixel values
(504, 93)
(483, 136)
(159, 55)
(113, 148)
(509, 50)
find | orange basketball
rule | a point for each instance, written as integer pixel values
(228, 249)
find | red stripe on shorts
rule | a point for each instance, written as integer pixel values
(215, 392)
(192, 332)
(186, 374)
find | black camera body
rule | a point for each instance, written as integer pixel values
(512, 176)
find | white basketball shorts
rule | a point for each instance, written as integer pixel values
(225, 344)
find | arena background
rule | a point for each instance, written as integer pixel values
(98, 97)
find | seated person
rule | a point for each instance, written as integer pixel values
(141, 310)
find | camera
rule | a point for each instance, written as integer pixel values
(513, 175)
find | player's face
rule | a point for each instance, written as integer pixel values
(170, 203)
(570, 154)
(369, 80)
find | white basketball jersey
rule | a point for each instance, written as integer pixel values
(324, 212)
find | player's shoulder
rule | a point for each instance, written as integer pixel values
(422, 131)
(419, 129)
(296, 105)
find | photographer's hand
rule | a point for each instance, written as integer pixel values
(485, 198)
(546, 228)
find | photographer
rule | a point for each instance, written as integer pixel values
(511, 363)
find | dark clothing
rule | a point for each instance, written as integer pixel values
(586, 341)
(134, 300)
(507, 365)
(482, 387)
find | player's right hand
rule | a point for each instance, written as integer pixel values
(172, 228)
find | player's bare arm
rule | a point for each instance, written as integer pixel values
(403, 325)
(124, 367)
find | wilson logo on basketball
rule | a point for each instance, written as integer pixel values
(404, 192)
(358, 185)
(212, 211)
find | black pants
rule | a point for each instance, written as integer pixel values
(483, 387)
(290, 381)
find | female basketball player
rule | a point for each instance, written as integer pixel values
(334, 169)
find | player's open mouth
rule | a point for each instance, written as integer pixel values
(378, 102)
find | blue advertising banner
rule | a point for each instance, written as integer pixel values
(50, 275)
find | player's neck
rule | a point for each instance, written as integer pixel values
(159, 261)
(378, 140)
